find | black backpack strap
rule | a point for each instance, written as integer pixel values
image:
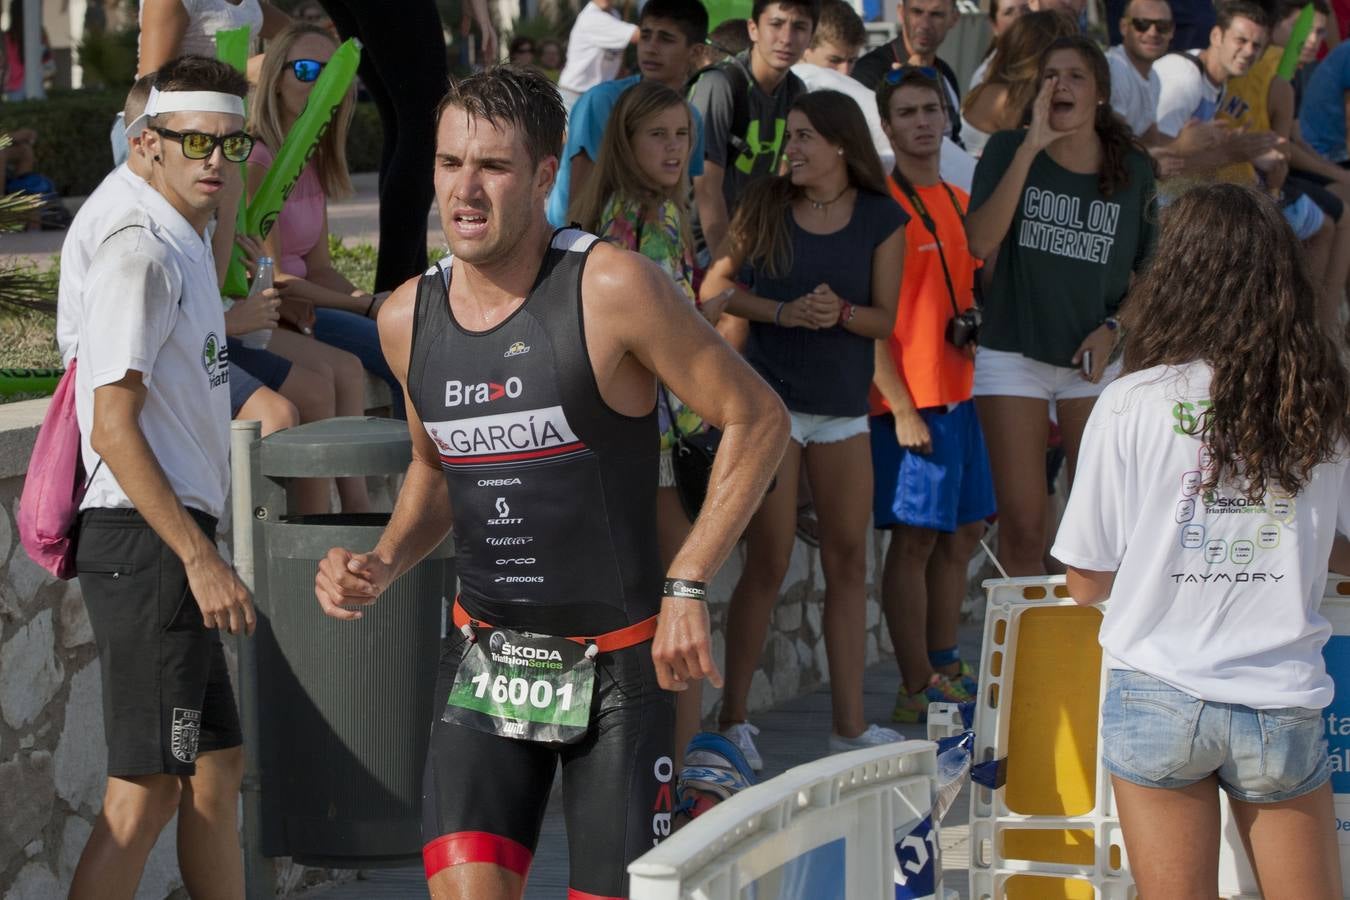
(740, 100)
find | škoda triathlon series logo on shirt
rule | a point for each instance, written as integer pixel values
(1057, 223)
(215, 360)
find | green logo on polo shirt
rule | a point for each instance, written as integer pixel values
(215, 361)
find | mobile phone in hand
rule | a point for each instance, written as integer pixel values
(1087, 363)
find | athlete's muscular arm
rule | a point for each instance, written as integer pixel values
(638, 324)
(346, 580)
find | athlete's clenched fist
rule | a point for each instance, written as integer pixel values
(348, 581)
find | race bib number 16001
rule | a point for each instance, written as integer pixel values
(525, 686)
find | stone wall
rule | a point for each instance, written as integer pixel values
(52, 752)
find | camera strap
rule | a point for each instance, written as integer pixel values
(919, 207)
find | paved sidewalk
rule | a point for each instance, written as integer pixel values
(790, 735)
(355, 220)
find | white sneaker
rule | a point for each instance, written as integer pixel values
(741, 734)
(874, 736)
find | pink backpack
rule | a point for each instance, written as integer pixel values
(55, 485)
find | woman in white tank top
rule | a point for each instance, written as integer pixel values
(171, 28)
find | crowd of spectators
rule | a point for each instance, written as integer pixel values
(932, 277)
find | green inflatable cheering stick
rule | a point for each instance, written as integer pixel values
(300, 143)
(232, 48)
(1302, 27)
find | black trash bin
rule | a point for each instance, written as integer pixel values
(343, 707)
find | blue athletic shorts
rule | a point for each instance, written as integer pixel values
(251, 369)
(941, 490)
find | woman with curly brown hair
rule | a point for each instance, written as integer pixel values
(1066, 208)
(1212, 481)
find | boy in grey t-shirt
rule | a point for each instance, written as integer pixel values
(744, 103)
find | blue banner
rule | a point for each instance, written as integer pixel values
(916, 863)
(1337, 715)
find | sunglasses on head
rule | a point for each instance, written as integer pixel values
(894, 76)
(199, 145)
(1164, 26)
(306, 70)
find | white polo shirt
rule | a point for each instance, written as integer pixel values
(116, 194)
(1133, 97)
(594, 49)
(150, 304)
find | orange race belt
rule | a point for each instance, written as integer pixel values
(608, 642)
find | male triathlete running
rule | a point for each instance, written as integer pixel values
(530, 361)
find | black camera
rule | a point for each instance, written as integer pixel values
(965, 328)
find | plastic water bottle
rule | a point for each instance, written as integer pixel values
(262, 280)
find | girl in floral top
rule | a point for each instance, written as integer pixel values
(635, 199)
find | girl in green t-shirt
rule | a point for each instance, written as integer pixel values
(1066, 212)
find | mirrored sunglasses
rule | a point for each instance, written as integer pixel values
(236, 147)
(306, 70)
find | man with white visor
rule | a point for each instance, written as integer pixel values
(152, 398)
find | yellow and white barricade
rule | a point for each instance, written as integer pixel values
(846, 827)
(1050, 832)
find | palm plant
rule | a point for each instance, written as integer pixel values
(21, 287)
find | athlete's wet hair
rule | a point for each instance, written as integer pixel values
(1228, 286)
(518, 96)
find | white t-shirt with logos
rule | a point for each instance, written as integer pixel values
(1185, 92)
(1133, 97)
(150, 304)
(594, 49)
(1214, 594)
(118, 192)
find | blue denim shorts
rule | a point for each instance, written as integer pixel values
(1157, 736)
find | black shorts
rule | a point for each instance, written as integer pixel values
(483, 796)
(166, 691)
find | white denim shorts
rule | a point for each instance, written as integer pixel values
(811, 429)
(999, 373)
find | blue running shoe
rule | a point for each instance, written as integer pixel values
(714, 769)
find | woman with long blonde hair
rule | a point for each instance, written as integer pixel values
(328, 322)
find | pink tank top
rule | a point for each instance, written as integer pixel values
(300, 224)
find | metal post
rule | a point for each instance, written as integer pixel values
(259, 875)
(32, 49)
(77, 9)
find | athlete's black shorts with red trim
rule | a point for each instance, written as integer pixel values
(554, 499)
(484, 796)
